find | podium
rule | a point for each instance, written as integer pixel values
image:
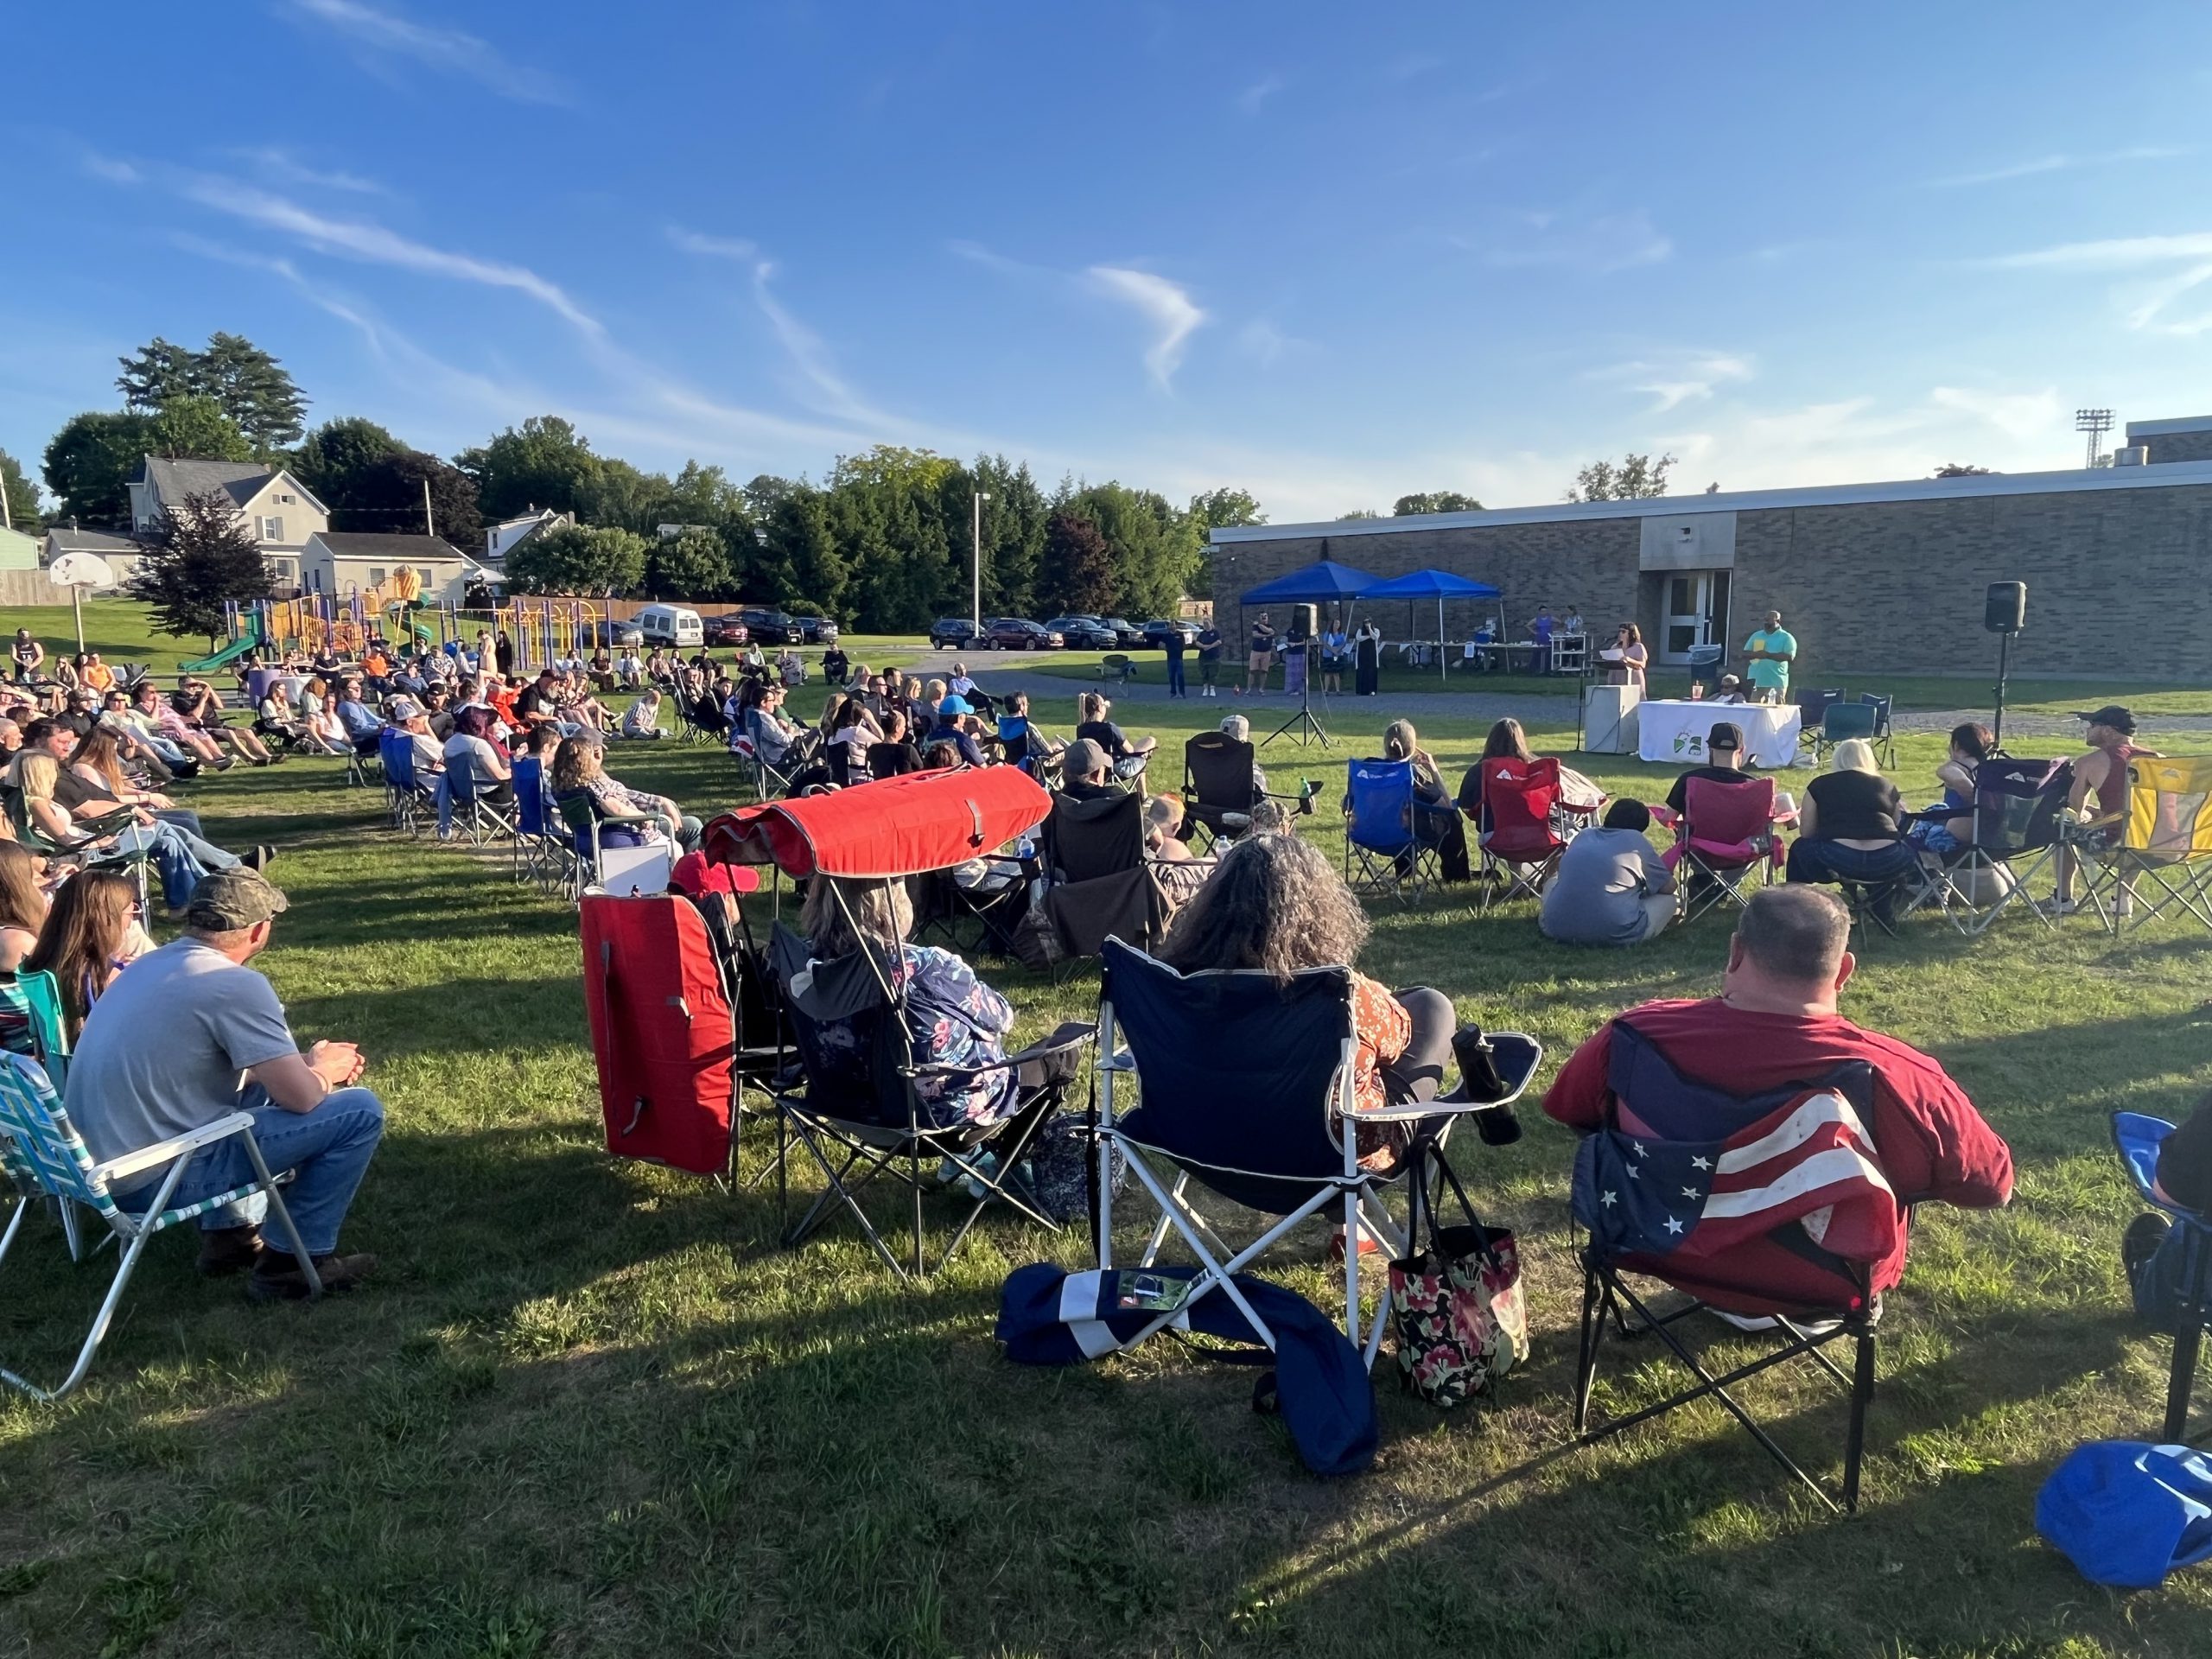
(1609, 724)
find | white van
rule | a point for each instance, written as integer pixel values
(671, 625)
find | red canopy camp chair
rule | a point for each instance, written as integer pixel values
(1520, 827)
(1726, 836)
(887, 831)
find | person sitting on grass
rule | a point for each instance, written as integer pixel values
(22, 906)
(641, 720)
(1849, 830)
(1436, 821)
(1612, 886)
(1775, 1027)
(1276, 904)
(163, 1054)
(90, 935)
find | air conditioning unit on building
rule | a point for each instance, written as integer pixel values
(2136, 455)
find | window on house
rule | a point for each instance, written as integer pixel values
(272, 529)
(376, 576)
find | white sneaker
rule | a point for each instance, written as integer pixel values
(2055, 907)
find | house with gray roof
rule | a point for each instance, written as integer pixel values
(120, 553)
(345, 564)
(277, 508)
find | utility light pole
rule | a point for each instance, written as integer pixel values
(978, 594)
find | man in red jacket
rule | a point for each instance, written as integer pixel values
(1774, 1028)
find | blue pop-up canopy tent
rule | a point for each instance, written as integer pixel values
(1439, 585)
(1322, 583)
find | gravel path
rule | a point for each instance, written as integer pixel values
(999, 678)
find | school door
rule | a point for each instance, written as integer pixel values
(1695, 612)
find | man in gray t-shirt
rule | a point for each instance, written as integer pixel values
(188, 1035)
(1612, 888)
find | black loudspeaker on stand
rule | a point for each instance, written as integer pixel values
(2003, 613)
(1303, 635)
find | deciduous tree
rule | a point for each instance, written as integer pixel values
(89, 463)
(201, 555)
(578, 559)
(386, 494)
(195, 428)
(1957, 470)
(21, 493)
(544, 462)
(1436, 501)
(1636, 478)
(692, 565)
(336, 452)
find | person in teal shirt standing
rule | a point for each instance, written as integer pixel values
(1771, 649)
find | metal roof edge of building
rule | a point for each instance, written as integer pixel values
(2152, 428)
(2163, 475)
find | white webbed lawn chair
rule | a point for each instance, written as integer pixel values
(54, 1155)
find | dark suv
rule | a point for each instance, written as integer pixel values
(818, 630)
(726, 630)
(1084, 633)
(771, 627)
(951, 633)
(1013, 633)
(1155, 633)
(1126, 634)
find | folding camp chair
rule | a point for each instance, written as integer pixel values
(2158, 860)
(1883, 736)
(1726, 844)
(2187, 1298)
(1221, 789)
(1023, 745)
(52, 1155)
(481, 818)
(767, 781)
(2015, 834)
(407, 797)
(131, 852)
(1116, 669)
(1391, 857)
(1813, 707)
(1522, 826)
(860, 1108)
(1099, 881)
(1769, 1209)
(545, 850)
(1843, 721)
(1246, 1087)
(30, 1014)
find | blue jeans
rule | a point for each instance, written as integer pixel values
(328, 1148)
(182, 858)
(1175, 687)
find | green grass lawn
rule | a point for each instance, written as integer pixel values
(590, 1408)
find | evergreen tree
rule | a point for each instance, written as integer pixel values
(694, 565)
(386, 494)
(201, 555)
(250, 387)
(155, 374)
(1079, 573)
(544, 462)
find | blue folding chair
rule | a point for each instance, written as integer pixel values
(1391, 860)
(48, 1152)
(1883, 739)
(1247, 1088)
(543, 846)
(2188, 1292)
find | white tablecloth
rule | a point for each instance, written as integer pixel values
(1673, 730)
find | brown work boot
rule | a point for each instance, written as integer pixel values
(231, 1249)
(277, 1276)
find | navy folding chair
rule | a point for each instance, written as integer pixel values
(2015, 833)
(1246, 1087)
(1708, 1193)
(543, 848)
(1882, 738)
(1384, 855)
(2181, 1302)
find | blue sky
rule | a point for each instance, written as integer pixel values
(1330, 254)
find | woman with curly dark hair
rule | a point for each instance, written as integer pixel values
(1277, 904)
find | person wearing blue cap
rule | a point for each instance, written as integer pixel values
(952, 710)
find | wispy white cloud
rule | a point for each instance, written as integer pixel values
(1672, 378)
(374, 244)
(1262, 342)
(2057, 163)
(1166, 306)
(276, 163)
(2024, 416)
(1605, 243)
(386, 34)
(113, 169)
(715, 247)
(1250, 100)
(2185, 261)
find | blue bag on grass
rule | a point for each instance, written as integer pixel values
(1048, 1316)
(2126, 1513)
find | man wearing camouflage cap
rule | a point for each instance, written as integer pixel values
(188, 1034)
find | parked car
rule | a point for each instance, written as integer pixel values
(612, 636)
(671, 625)
(1014, 633)
(951, 633)
(1126, 634)
(728, 630)
(1084, 633)
(817, 630)
(1156, 632)
(771, 627)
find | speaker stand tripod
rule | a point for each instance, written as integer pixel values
(2004, 664)
(1302, 723)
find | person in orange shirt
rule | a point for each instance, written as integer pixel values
(376, 667)
(95, 675)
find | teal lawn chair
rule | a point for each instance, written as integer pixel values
(31, 1022)
(46, 1151)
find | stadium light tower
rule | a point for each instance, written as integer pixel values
(2096, 422)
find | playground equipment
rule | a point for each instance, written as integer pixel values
(542, 628)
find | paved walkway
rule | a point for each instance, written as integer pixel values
(1481, 706)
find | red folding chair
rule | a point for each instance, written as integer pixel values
(1521, 827)
(1727, 837)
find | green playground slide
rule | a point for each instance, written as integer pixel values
(222, 658)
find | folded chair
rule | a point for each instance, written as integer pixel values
(1384, 855)
(1099, 881)
(1246, 1087)
(1219, 790)
(2188, 1298)
(1726, 842)
(48, 1152)
(2015, 835)
(1521, 827)
(862, 1110)
(2158, 860)
(1770, 1208)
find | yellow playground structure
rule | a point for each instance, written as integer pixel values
(540, 629)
